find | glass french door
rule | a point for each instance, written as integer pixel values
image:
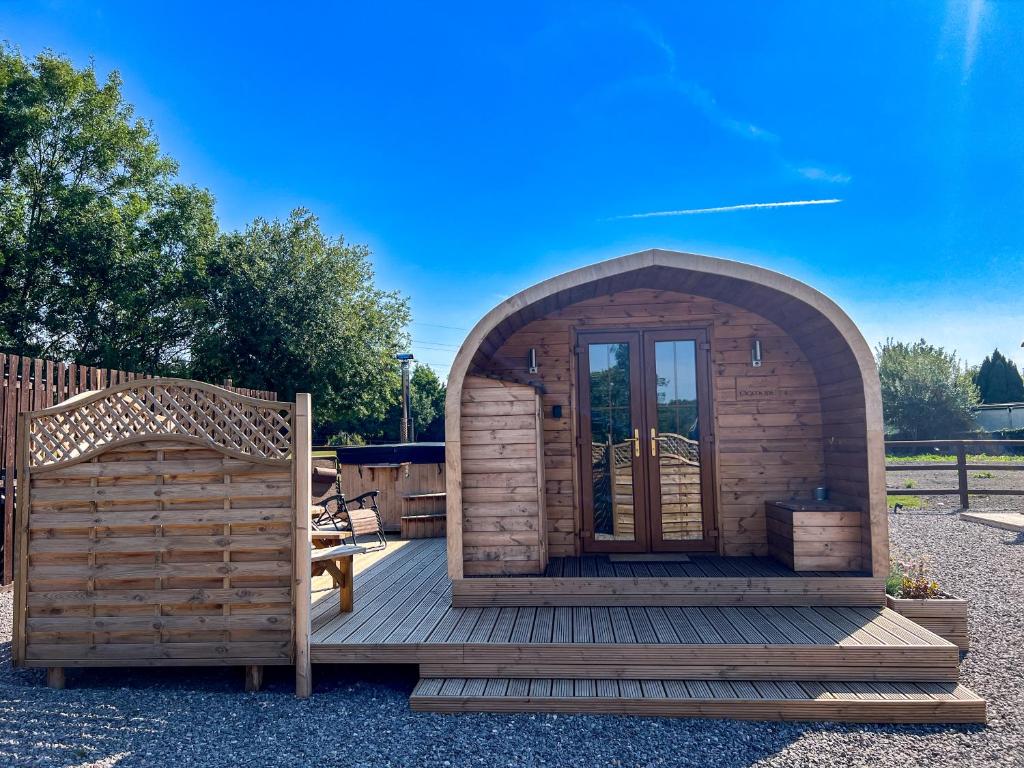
(645, 458)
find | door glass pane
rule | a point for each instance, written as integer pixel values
(611, 427)
(678, 444)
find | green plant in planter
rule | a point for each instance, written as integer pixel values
(895, 578)
(909, 580)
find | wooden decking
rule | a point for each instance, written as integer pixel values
(697, 566)
(703, 580)
(481, 656)
(741, 700)
(403, 614)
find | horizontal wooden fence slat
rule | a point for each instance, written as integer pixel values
(31, 384)
(44, 497)
(232, 596)
(961, 467)
(148, 544)
(260, 569)
(191, 622)
(60, 521)
(57, 652)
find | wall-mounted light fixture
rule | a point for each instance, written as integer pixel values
(755, 353)
(533, 360)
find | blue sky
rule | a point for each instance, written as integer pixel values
(478, 148)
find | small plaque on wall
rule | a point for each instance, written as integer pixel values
(759, 388)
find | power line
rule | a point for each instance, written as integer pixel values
(435, 344)
(435, 325)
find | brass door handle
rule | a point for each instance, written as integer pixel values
(655, 437)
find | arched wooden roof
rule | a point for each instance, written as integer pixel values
(841, 358)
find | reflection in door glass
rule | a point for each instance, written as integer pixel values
(678, 440)
(611, 430)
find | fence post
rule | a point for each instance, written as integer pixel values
(302, 446)
(961, 475)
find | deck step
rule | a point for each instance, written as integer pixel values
(430, 525)
(485, 591)
(857, 702)
(933, 663)
(889, 647)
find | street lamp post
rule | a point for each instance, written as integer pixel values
(405, 431)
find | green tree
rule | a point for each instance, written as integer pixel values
(426, 393)
(292, 310)
(102, 252)
(925, 393)
(998, 380)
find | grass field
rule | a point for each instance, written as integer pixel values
(908, 502)
(948, 458)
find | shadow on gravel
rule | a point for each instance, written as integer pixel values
(357, 716)
(926, 512)
(226, 679)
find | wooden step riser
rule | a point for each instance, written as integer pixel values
(795, 591)
(915, 656)
(694, 672)
(591, 661)
(843, 711)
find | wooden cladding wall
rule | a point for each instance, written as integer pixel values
(165, 549)
(393, 482)
(768, 420)
(29, 384)
(503, 501)
(846, 448)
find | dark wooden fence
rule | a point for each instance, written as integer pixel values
(28, 384)
(959, 449)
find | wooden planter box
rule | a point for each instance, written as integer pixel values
(814, 535)
(945, 616)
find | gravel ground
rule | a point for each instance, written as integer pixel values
(201, 717)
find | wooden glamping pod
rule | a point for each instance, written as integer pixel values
(665, 403)
(160, 524)
(633, 450)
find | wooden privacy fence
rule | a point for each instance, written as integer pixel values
(157, 526)
(29, 383)
(959, 449)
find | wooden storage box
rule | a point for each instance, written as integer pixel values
(814, 535)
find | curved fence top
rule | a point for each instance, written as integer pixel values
(193, 411)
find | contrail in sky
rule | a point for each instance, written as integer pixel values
(726, 208)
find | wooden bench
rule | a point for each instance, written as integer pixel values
(337, 561)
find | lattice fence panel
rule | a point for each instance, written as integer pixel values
(158, 528)
(245, 426)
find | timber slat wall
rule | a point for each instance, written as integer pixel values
(503, 499)
(767, 448)
(28, 384)
(157, 529)
(393, 482)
